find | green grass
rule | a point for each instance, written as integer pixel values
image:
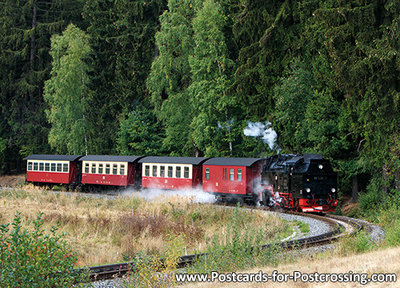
(304, 227)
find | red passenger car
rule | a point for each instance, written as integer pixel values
(171, 172)
(110, 170)
(54, 169)
(233, 178)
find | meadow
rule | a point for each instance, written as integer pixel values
(110, 230)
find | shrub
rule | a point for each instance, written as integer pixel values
(150, 271)
(358, 243)
(33, 258)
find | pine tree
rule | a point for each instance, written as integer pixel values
(122, 40)
(26, 28)
(140, 134)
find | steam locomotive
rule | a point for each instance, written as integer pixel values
(305, 183)
(300, 182)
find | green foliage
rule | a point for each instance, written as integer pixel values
(387, 214)
(150, 271)
(139, 134)
(3, 147)
(26, 28)
(212, 71)
(122, 41)
(170, 75)
(33, 258)
(65, 91)
(359, 243)
(325, 73)
(304, 227)
(292, 97)
(370, 201)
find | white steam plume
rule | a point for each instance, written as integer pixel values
(194, 195)
(263, 130)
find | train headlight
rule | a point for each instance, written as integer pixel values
(333, 190)
(320, 166)
(308, 190)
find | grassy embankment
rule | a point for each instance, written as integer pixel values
(353, 253)
(111, 230)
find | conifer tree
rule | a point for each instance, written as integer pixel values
(122, 40)
(26, 28)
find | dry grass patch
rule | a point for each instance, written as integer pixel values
(380, 261)
(111, 230)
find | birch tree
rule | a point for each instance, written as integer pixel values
(65, 91)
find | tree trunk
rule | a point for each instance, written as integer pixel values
(354, 190)
(196, 151)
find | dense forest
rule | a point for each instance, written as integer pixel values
(186, 77)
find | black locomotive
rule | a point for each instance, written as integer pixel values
(302, 182)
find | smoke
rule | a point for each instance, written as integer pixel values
(275, 200)
(263, 130)
(193, 195)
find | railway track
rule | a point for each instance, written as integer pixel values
(340, 226)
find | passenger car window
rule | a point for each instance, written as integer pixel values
(154, 170)
(170, 171)
(186, 172)
(239, 175)
(207, 176)
(162, 171)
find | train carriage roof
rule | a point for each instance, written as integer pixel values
(53, 157)
(232, 161)
(173, 160)
(110, 158)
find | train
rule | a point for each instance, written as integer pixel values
(305, 183)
